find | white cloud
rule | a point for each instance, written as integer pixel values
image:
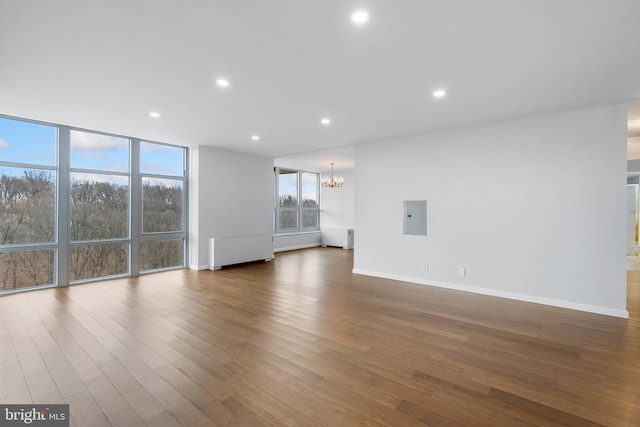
(5, 144)
(88, 140)
(157, 169)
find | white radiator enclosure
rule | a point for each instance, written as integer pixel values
(225, 251)
(337, 236)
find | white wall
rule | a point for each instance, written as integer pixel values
(533, 209)
(231, 195)
(292, 241)
(337, 205)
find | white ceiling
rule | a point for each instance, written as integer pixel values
(105, 65)
(320, 161)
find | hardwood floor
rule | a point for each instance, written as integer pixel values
(301, 341)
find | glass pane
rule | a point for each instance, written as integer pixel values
(309, 218)
(161, 159)
(309, 190)
(161, 254)
(161, 205)
(25, 269)
(101, 152)
(27, 205)
(26, 142)
(91, 261)
(99, 206)
(288, 188)
(288, 219)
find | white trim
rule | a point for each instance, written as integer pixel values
(492, 292)
(293, 248)
(198, 267)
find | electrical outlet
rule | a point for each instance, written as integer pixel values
(462, 271)
(425, 268)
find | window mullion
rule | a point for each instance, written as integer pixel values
(276, 199)
(62, 234)
(135, 208)
(299, 200)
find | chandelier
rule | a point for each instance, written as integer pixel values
(332, 182)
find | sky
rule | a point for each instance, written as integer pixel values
(35, 144)
(25, 142)
(288, 182)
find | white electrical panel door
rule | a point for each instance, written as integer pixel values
(415, 217)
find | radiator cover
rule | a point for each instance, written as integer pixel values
(337, 236)
(239, 249)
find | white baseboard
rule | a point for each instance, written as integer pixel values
(502, 294)
(293, 248)
(198, 267)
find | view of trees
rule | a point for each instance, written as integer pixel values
(98, 210)
(160, 254)
(26, 268)
(89, 261)
(27, 202)
(289, 218)
(27, 215)
(161, 207)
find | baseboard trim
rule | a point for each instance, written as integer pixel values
(293, 248)
(502, 294)
(198, 267)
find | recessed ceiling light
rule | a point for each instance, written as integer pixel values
(439, 93)
(222, 82)
(154, 114)
(359, 17)
(255, 137)
(326, 121)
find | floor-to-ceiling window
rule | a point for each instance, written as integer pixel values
(162, 175)
(28, 177)
(78, 205)
(99, 205)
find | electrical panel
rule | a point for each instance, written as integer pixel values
(415, 217)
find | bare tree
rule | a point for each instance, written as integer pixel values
(98, 211)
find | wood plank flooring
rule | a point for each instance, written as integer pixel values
(301, 341)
